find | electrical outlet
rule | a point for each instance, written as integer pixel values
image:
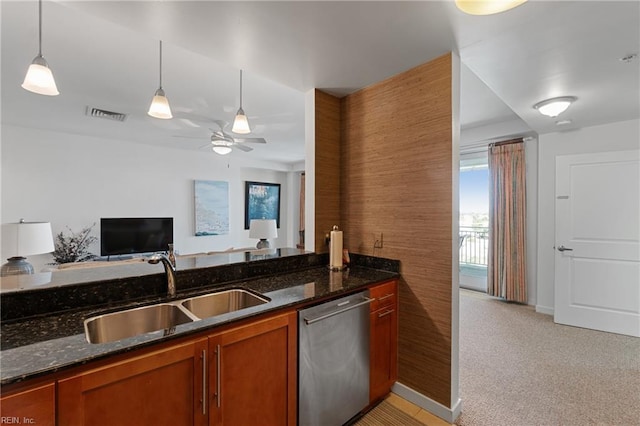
(379, 243)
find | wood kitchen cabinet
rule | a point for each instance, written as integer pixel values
(253, 376)
(161, 387)
(31, 406)
(383, 339)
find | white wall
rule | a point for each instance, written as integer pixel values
(72, 180)
(609, 137)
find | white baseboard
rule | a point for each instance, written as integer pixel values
(544, 310)
(445, 413)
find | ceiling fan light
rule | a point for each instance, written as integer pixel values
(241, 123)
(159, 107)
(555, 106)
(222, 150)
(487, 7)
(39, 78)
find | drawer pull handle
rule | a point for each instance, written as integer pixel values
(385, 313)
(386, 297)
(218, 373)
(204, 382)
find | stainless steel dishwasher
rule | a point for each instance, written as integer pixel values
(333, 379)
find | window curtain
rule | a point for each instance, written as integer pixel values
(507, 221)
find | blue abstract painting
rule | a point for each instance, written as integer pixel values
(211, 207)
(262, 201)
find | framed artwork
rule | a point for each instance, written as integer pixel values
(261, 201)
(211, 207)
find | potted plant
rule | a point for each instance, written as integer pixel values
(74, 248)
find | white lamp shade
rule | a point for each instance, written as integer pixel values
(263, 229)
(27, 238)
(160, 106)
(39, 78)
(554, 107)
(487, 7)
(222, 150)
(241, 123)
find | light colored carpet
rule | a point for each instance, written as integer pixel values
(385, 414)
(519, 368)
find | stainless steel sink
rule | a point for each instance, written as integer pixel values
(166, 316)
(222, 302)
(133, 322)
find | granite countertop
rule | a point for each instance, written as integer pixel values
(48, 343)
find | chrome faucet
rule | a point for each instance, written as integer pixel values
(170, 270)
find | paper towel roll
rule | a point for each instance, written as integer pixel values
(335, 249)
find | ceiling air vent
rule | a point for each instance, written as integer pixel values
(109, 115)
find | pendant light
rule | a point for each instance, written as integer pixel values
(39, 78)
(160, 104)
(241, 123)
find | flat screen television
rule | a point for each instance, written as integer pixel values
(131, 235)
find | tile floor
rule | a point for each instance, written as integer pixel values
(416, 412)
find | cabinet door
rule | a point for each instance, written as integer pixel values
(384, 346)
(163, 387)
(253, 378)
(32, 406)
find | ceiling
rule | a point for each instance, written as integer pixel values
(105, 54)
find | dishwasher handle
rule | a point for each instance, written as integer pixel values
(366, 301)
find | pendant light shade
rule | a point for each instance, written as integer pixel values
(39, 78)
(241, 123)
(487, 7)
(160, 104)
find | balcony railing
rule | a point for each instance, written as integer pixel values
(474, 245)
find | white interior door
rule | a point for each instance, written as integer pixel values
(597, 263)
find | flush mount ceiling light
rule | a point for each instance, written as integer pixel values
(487, 7)
(39, 78)
(160, 104)
(241, 123)
(555, 106)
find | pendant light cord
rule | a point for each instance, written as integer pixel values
(160, 64)
(39, 27)
(240, 89)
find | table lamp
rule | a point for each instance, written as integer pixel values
(263, 229)
(23, 239)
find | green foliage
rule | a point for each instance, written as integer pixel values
(74, 248)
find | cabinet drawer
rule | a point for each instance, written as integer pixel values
(385, 295)
(34, 406)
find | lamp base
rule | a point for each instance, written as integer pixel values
(17, 265)
(263, 244)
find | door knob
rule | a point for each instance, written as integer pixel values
(563, 248)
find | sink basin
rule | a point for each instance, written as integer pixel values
(222, 302)
(132, 322)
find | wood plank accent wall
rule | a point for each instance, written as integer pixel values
(327, 176)
(397, 180)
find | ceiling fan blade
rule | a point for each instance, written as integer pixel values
(250, 140)
(189, 137)
(242, 147)
(205, 146)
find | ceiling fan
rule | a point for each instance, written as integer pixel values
(222, 142)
